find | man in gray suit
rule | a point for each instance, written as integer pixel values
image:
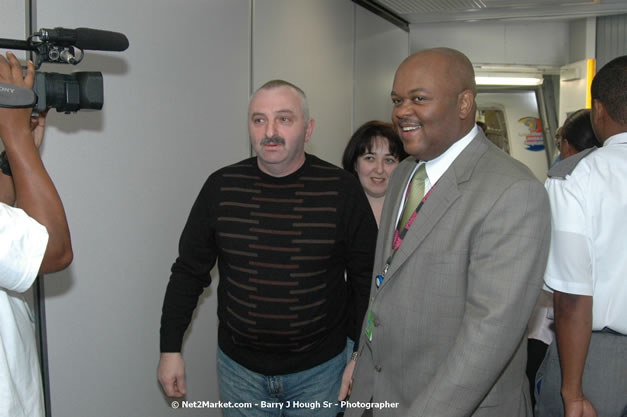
(455, 284)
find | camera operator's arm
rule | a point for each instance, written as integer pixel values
(7, 189)
(34, 191)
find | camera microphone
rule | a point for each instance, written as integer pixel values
(85, 38)
(67, 93)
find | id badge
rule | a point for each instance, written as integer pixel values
(378, 281)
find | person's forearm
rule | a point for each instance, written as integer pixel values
(36, 194)
(573, 328)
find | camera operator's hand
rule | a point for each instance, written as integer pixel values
(37, 126)
(11, 73)
(29, 184)
(14, 120)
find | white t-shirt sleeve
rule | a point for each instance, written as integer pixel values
(23, 243)
(569, 268)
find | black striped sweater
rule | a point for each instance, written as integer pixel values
(283, 246)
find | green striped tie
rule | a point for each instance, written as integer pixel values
(416, 193)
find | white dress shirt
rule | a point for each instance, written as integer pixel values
(437, 167)
(589, 233)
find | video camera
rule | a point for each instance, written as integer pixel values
(66, 93)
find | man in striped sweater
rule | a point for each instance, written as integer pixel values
(295, 239)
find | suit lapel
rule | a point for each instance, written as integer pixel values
(438, 203)
(444, 194)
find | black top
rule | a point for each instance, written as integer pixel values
(283, 246)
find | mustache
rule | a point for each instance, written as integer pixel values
(410, 121)
(275, 140)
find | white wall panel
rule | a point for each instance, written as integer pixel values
(310, 43)
(582, 42)
(13, 23)
(519, 43)
(175, 110)
(611, 38)
(380, 48)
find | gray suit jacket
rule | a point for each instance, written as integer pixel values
(450, 319)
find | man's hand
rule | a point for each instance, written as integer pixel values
(347, 381)
(13, 122)
(579, 407)
(37, 127)
(171, 374)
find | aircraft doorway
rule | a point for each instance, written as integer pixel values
(495, 127)
(515, 123)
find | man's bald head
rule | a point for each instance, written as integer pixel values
(456, 66)
(434, 101)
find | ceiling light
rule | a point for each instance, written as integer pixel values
(512, 79)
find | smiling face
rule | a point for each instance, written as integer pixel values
(278, 130)
(375, 167)
(433, 105)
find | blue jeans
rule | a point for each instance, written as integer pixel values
(312, 392)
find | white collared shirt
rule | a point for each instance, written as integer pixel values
(589, 231)
(437, 167)
(22, 246)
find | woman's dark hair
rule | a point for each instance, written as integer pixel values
(577, 130)
(362, 142)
